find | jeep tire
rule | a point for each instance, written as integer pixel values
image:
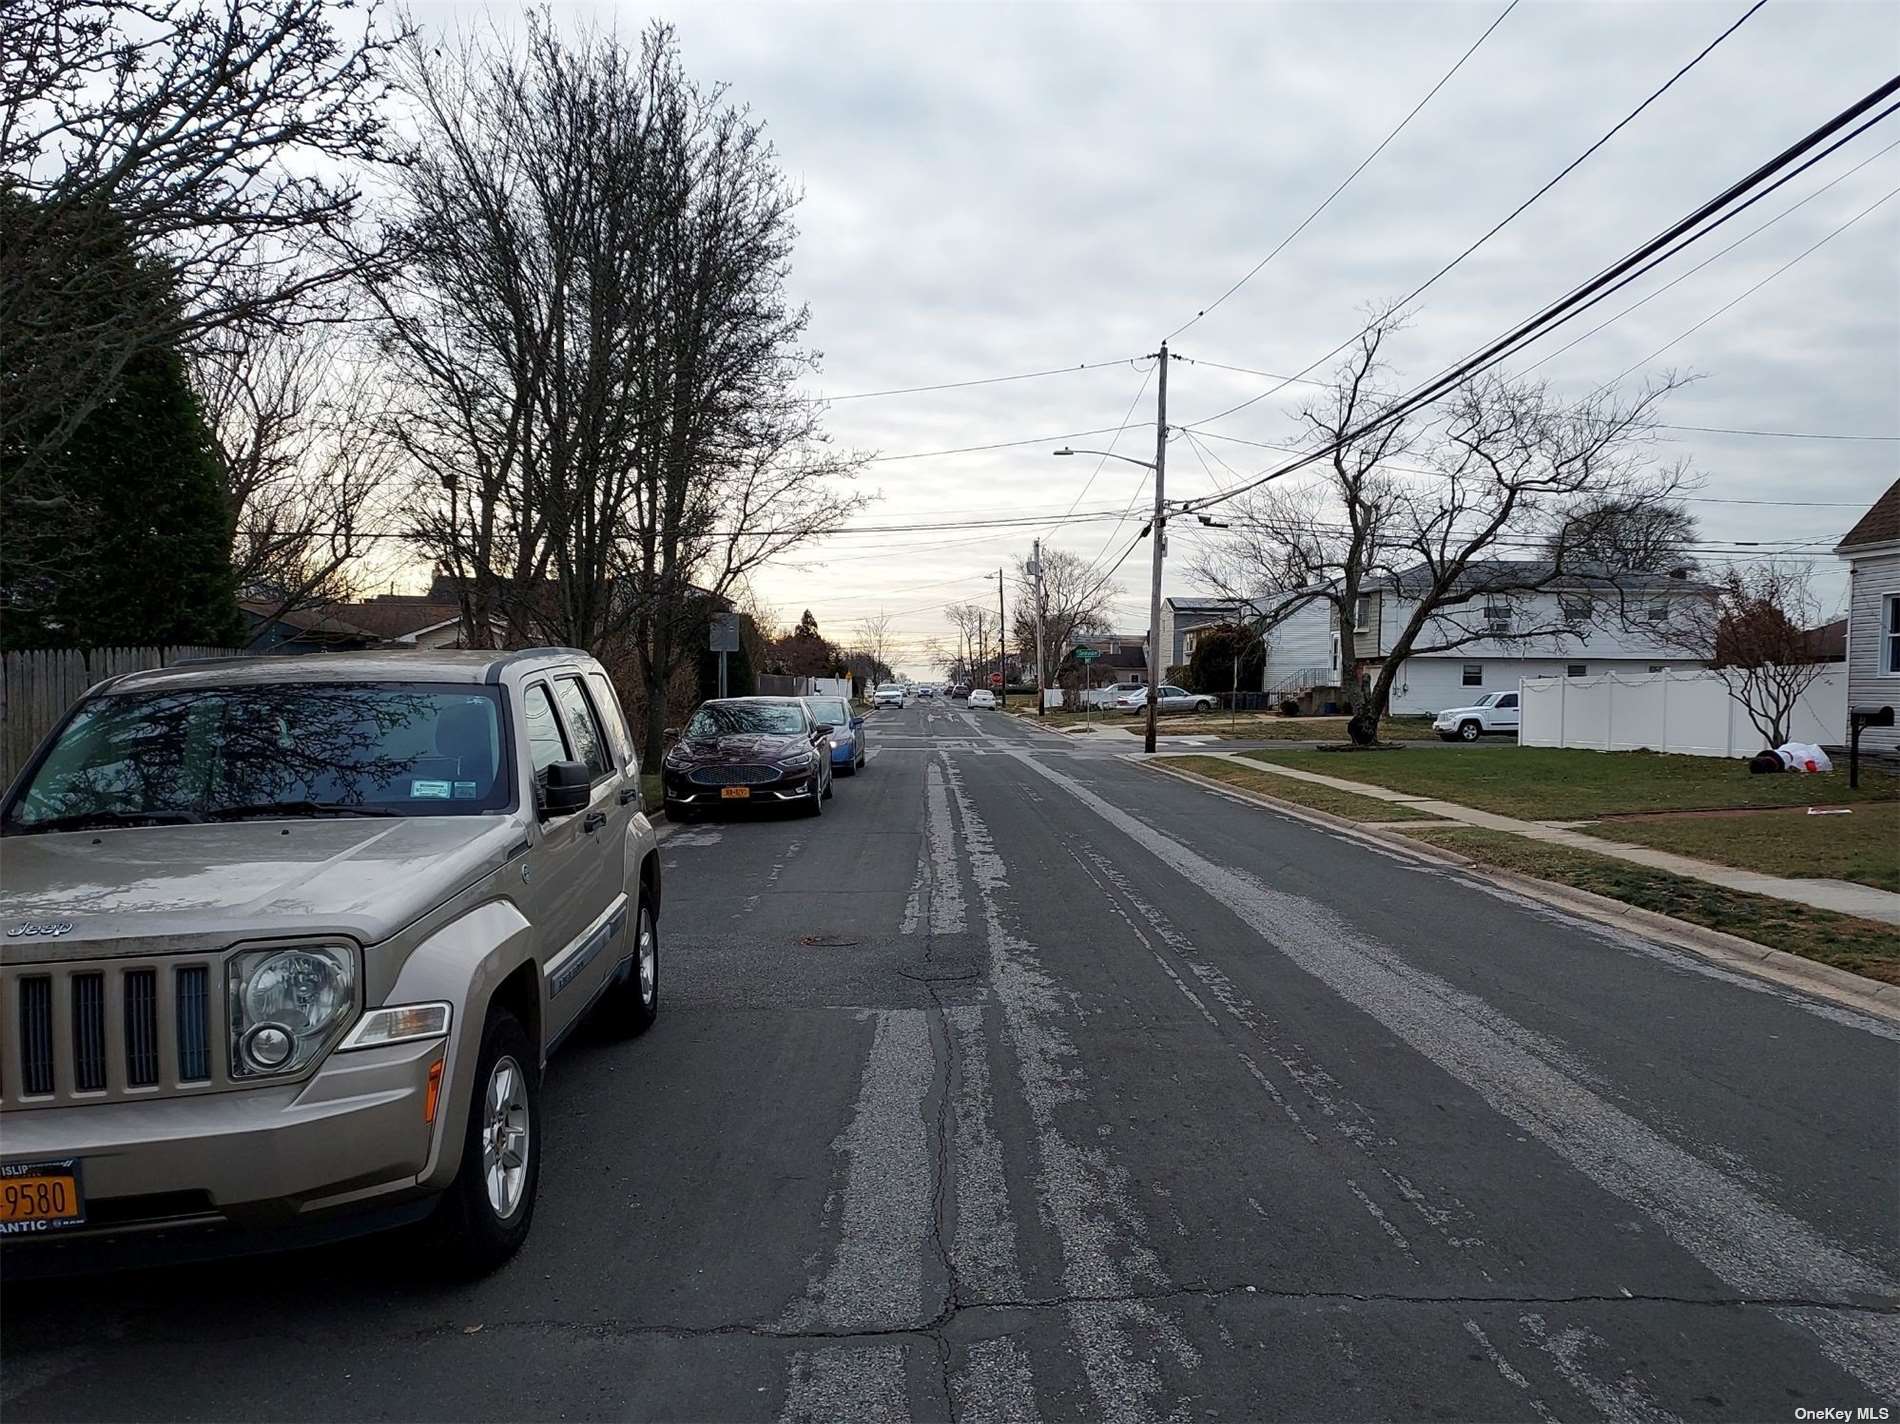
(630, 1005)
(484, 1216)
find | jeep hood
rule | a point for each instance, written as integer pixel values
(160, 889)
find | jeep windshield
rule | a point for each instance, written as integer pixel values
(269, 752)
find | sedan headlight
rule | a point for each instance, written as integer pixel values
(796, 759)
(286, 1005)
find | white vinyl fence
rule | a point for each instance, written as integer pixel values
(1690, 713)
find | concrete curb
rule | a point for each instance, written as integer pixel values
(1869, 996)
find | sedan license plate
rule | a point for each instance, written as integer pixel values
(735, 793)
(40, 1196)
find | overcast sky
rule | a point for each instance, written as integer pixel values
(993, 189)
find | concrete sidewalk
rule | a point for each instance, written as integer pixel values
(1841, 896)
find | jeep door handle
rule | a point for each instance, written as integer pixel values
(594, 821)
(629, 793)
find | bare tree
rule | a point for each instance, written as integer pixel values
(603, 358)
(1646, 536)
(219, 137)
(1076, 602)
(1507, 467)
(874, 640)
(310, 465)
(1758, 619)
(976, 627)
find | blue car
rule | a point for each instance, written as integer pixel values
(847, 733)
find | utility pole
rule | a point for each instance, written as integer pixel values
(1158, 532)
(1002, 648)
(1042, 694)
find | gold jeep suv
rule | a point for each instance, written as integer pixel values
(287, 942)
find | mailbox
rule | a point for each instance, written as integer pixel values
(1857, 718)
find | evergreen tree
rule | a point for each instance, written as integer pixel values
(123, 536)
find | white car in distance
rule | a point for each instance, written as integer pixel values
(1492, 713)
(981, 698)
(891, 694)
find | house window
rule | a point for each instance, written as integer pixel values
(1655, 667)
(1890, 642)
(1658, 612)
(1577, 670)
(1362, 611)
(1474, 675)
(1497, 616)
(1577, 607)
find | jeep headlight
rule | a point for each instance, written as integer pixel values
(287, 1004)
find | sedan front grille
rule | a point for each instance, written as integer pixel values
(82, 1032)
(734, 775)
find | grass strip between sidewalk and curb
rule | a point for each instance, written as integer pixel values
(1862, 846)
(1862, 947)
(1546, 783)
(1300, 793)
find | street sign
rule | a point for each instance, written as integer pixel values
(1086, 655)
(996, 679)
(725, 633)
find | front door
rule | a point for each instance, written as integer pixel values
(560, 871)
(1506, 711)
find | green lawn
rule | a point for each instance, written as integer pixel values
(1549, 783)
(1862, 946)
(1863, 846)
(1301, 793)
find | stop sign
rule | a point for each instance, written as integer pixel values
(996, 679)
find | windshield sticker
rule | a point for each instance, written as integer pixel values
(465, 791)
(432, 790)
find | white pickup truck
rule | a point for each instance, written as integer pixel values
(1493, 712)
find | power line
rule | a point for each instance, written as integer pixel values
(1570, 168)
(1864, 212)
(1147, 376)
(1660, 425)
(1363, 164)
(1687, 498)
(1723, 252)
(1574, 303)
(983, 381)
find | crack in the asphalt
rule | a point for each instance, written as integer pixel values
(939, 1199)
(934, 1328)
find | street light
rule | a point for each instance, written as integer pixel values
(1158, 527)
(1107, 455)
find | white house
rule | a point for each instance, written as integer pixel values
(1872, 551)
(1504, 637)
(1180, 617)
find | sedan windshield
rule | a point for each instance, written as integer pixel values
(739, 719)
(304, 749)
(832, 710)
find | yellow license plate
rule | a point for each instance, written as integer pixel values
(735, 793)
(40, 1196)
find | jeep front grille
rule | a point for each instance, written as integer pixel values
(107, 1030)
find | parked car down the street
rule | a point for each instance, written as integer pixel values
(1492, 713)
(848, 743)
(982, 697)
(890, 694)
(333, 916)
(741, 751)
(1169, 699)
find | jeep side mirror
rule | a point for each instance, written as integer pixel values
(567, 788)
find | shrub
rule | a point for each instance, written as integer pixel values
(1289, 708)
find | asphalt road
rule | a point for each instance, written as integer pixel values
(1029, 1084)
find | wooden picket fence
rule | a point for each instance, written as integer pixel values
(38, 685)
